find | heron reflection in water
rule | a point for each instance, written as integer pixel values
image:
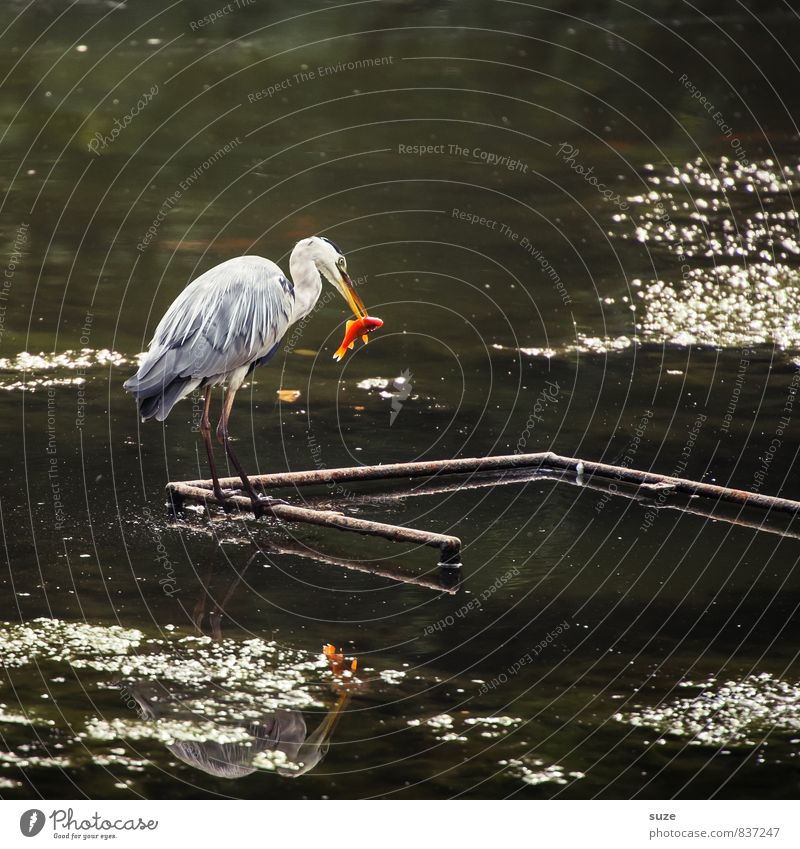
(279, 732)
(278, 739)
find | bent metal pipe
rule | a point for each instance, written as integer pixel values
(511, 462)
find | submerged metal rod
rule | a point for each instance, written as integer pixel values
(645, 496)
(442, 585)
(649, 500)
(667, 482)
(449, 546)
(508, 462)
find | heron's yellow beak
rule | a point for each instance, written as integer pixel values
(351, 296)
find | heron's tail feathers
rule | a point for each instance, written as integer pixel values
(159, 404)
(157, 401)
(160, 383)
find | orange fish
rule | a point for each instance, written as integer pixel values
(355, 328)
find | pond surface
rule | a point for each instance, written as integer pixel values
(578, 226)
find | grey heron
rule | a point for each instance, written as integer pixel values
(225, 323)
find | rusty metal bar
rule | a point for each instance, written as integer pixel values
(449, 546)
(388, 471)
(543, 460)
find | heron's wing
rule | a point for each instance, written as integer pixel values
(229, 317)
(223, 760)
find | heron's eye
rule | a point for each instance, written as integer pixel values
(342, 263)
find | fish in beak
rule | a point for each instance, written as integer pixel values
(360, 327)
(363, 323)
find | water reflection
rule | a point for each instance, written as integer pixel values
(220, 735)
(440, 579)
(277, 740)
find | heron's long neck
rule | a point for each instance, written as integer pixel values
(307, 286)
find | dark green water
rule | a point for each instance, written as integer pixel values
(500, 269)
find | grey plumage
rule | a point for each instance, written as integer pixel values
(219, 326)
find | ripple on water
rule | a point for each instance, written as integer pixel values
(535, 771)
(729, 212)
(447, 728)
(742, 218)
(31, 366)
(54, 639)
(737, 713)
(725, 306)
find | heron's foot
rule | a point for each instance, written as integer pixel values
(263, 503)
(222, 496)
(270, 501)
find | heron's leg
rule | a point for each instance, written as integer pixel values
(223, 435)
(199, 612)
(205, 429)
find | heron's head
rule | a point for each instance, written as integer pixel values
(332, 265)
